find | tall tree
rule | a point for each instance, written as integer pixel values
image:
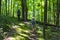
(57, 13)
(45, 17)
(0, 6)
(54, 10)
(49, 11)
(13, 7)
(24, 9)
(33, 9)
(6, 6)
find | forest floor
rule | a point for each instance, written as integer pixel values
(23, 32)
(15, 30)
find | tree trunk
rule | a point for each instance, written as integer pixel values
(54, 12)
(6, 7)
(13, 8)
(57, 13)
(0, 6)
(24, 10)
(45, 17)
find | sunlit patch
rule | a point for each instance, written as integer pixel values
(18, 30)
(21, 24)
(24, 35)
(18, 37)
(27, 31)
(9, 38)
(15, 26)
(40, 32)
(26, 22)
(40, 38)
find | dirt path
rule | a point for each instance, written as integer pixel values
(33, 35)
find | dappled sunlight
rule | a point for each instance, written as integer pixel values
(24, 35)
(27, 22)
(27, 31)
(18, 30)
(19, 37)
(9, 38)
(40, 38)
(40, 32)
(15, 26)
(29, 19)
(21, 24)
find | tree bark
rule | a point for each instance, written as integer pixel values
(24, 10)
(0, 6)
(45, 18)
(57, 13)
(6, 7)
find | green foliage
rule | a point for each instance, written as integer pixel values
(10, 8)
(35, 7)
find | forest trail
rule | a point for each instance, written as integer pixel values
(32, 34)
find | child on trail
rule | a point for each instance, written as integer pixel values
(33, 24)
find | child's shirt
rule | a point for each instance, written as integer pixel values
(33, 22)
